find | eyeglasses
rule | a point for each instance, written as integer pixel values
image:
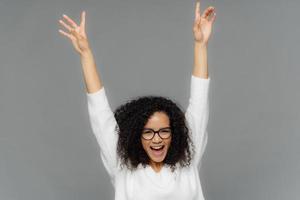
(163, 133)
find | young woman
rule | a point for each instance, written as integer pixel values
(149, 147)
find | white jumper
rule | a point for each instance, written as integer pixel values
(145, 183)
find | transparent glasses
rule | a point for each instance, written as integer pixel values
(163, 133)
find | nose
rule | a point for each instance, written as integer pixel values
(156, 138)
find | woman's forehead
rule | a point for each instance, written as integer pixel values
(158, 120)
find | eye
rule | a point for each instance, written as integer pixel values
(146, 131)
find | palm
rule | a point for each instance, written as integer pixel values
(81, 37)
(203, 24)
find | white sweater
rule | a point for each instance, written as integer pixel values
(145, 183)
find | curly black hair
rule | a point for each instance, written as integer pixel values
(131, 118)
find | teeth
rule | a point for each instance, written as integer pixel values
(157, 147)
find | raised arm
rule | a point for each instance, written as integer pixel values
(101, 116)
(202, 30)
(197, 112)
(79, 39)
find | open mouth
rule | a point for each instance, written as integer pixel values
(157, 150)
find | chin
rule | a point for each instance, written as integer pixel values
(157, 160)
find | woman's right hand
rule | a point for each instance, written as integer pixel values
(76, 33)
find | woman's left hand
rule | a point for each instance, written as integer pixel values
(203, 24)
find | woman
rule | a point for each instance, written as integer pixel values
(146, 146)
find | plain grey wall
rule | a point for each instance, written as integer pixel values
(47, 149)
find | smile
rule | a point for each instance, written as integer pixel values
(158, 148)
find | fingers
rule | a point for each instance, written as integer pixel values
(65, 25)
(82, 23)
(197, 10)
(208, 11)
(70, 21)
(213, 18)
(71, 27)
(66, 34)
(71, 30)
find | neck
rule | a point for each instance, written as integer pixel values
(156, 166)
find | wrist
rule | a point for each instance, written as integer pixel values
(86, 53)
(200, 44)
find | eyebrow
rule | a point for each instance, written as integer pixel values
(158, 129)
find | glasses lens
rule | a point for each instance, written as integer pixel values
(147, 134)
(165, 133)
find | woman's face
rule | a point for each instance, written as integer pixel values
(159, 120)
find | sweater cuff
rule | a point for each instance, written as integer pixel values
(199, 87)
(98, 99)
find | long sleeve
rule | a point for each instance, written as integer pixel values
(197, 115)
(103, 125)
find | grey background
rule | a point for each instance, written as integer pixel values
(47, 149)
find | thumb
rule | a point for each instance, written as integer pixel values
(82, 23)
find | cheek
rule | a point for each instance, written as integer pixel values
(145, 144)
(169, 142)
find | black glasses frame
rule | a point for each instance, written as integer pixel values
(157, 132)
